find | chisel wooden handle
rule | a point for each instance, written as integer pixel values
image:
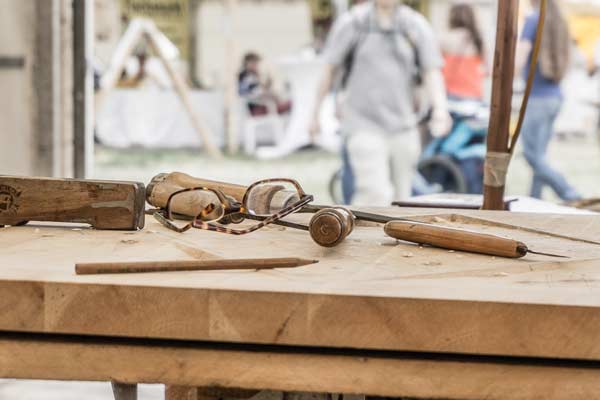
(455, 239)
(262, 200)
(158, 190)
(102, 204)
(189, 203)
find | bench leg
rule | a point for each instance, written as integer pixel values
(124, 391)
(206, 393)
(181, 393)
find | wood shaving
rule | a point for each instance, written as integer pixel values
(432, 263)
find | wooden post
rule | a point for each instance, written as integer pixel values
(231, 90)
(183, 92)
(46, 81)
(504, 69)
(181, 393)
(83, 88)
(124, 391)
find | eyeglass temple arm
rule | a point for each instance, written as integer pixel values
(279, 222)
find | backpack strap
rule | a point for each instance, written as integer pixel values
(412, 42)
(348, 64)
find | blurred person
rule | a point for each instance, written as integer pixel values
(546, 95)
(464, 56)
(381, 48)
(596, 75)
(256, 90)
(596, 63)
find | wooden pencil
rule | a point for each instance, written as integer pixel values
(189, 265)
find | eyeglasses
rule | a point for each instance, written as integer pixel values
(267, 201)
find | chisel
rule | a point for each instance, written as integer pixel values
(459, 239)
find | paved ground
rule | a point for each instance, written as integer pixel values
(50, 390)
(578, 158)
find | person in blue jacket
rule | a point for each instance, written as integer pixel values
(546, 96)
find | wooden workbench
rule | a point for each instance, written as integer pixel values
(375, 316)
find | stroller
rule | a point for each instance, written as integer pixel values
(452, 164)
(455, 162)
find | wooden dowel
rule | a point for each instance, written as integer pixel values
(189, 265)
(455, 239)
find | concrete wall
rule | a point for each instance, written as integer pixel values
(16, 88)
(36, 128)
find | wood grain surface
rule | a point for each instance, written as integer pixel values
(370, 292)
(393, 375)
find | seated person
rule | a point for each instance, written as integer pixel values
(259, 93)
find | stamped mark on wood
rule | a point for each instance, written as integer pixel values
(9, 199)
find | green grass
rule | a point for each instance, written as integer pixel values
(577, 158)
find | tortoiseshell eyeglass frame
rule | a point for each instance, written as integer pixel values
(230, 208)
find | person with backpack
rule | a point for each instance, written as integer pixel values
(379, 51)
(546, 95)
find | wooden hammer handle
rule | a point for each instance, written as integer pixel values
(455, 239)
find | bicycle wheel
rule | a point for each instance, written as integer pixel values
(444, 171)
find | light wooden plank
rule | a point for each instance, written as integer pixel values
(368, 293)
(393, 375)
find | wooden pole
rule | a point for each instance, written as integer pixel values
(504, 69)
(231, 89)
(183, 92)
(83, 89)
